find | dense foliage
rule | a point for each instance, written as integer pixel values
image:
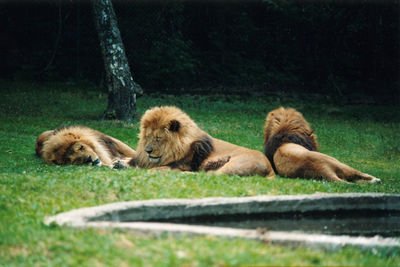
(335, 47)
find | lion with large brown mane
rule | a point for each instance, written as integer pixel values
(82, 145)
(291, 146)
(170, 140)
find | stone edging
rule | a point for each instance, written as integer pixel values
(115, 215)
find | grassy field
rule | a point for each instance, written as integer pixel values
(365, 137)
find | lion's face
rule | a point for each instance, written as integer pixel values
(156, 144)
(75, 153)
(166, 135)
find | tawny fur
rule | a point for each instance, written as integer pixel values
(82, 145)
(291, 121)
(170, 140)
(292, 146)
(40, 140)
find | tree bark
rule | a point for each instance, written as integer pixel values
(121, 87)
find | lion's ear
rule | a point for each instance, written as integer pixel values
(174, 125)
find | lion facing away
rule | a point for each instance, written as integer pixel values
(291, 146)
(170, 140)
(82, 145)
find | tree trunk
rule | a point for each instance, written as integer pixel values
(121, 87)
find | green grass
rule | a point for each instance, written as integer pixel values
(365, 137)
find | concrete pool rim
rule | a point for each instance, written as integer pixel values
(133, 216)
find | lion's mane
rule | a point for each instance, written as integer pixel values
(287, 126)
(187, 142)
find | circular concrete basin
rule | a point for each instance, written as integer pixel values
(320, 220)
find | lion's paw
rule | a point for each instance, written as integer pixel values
(96, 162)
(118, 165)
(376, 181)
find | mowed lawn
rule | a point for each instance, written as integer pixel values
(364, 136)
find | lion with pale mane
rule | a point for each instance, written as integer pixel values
(170, 140)
(291, 147)
(82, 145)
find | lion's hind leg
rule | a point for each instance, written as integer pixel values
(335, 168)
(352, 175)
(292, 160)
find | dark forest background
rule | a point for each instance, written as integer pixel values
(346, 49)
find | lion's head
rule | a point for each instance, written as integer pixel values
(288, 121)
(166, 135)
(68, 146)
